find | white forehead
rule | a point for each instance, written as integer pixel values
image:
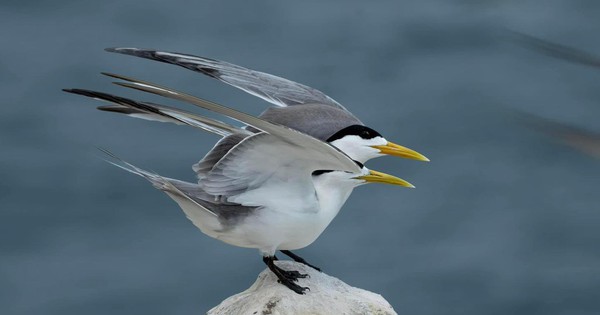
(359, 149)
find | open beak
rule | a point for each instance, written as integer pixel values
(398, 150)
(378, 177)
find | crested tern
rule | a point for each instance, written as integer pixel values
(274, 189)
(236, 204)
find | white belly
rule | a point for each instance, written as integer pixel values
(287, 224)
(286, 218)
(269, 229)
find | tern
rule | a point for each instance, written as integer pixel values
(274, 189)
(300, 107)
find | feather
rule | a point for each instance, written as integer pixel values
(273, 89)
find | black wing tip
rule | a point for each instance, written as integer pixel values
(210, 71)
(124, 50)
(124, 105)
(117, 109)
(120, 77)
(78, 91)
(100, 95)
(170, 57)
(137, 52)
(112, 75)
(83, 92)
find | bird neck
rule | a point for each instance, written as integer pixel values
(331, 195)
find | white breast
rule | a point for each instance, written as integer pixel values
(291, 216)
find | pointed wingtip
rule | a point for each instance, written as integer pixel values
(106, 151)
(137, 52)
(116, 76)
(120, 50)
(108, 74)
(77, 91)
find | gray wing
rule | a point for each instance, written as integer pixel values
(273, 89)
(231, 135)
(227, 212)
(155, 112)
(262, 167)
(216, 153)
(324, 150)
(317, 120)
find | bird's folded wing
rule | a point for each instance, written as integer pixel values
(216, 153)
(293, 137)
(264, 160)
(273, 89)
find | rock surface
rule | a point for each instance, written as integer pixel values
(327, 295)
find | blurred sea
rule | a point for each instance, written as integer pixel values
(504, 220)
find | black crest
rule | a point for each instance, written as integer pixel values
(355, 130)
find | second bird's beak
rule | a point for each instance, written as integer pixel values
(398, 150)
(378, 177)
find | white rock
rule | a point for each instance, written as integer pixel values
(327, 295)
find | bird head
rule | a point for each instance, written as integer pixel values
(362, 143)
(350, 179)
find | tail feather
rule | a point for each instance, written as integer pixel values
(159, 182)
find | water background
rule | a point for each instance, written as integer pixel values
(504, 220)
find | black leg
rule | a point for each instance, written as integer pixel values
(299, 259)
(285, 277)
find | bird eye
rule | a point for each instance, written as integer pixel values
(365, 134)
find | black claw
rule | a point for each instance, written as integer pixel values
(286, 277)
(292, 286)
(293, 275)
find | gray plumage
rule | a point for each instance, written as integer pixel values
(227, 213)
(318, 116)
(310, 144)
(155, 112)
(216, 153)
(217, 180)
(318, 120)
(273, 89)
(275, 184)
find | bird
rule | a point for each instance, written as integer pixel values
(275, 189)
(299, 107)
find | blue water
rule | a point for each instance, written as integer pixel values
(504, 220)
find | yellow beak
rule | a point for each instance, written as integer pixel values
(378, 177)
(398, 150)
